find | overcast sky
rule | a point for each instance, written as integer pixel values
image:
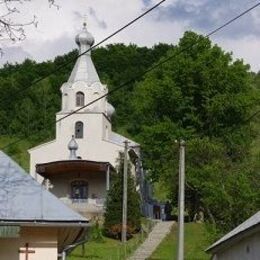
(57, 28)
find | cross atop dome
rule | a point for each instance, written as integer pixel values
(85, 22)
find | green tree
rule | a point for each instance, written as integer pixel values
(113, 214)
(205, 97)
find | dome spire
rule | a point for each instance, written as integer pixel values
(84, 39)
(73, 147)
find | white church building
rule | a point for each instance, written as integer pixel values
(77, 165)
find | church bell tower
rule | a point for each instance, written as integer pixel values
(82, 87)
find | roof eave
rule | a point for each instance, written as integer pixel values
(41, 223)
(222, 245)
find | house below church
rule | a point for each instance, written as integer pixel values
(243, 242)
(77, 165)
(34, 224)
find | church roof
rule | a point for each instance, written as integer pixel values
(23, 200)
(84, 69)
(119, 139)
(242, 228)
(56, 168)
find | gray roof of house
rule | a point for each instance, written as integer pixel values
(22, 199)
(249, 223)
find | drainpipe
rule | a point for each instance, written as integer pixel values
(108, 178)
(63, 256)
(64, 252)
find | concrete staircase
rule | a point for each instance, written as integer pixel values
(159, 232)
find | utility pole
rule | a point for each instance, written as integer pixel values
(124, 215)
(181, 200)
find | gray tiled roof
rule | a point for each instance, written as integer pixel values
(117, 138)
(84, 70)
(252, 221)
(22, 199)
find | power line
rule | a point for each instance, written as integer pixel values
(152, 68)
(90, 49)
(160, 63)
(234, 19)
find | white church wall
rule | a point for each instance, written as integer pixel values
(91, 93)
(92, 127)
(103, 151)
(41, 154)
(89, 207)
(93, 146)
(106, 128)
(61, 186)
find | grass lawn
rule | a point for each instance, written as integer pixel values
(109, 249)
(196, 241)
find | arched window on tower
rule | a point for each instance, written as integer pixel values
(79, 127)
(80, 99)
(79, 190)
(65, 102)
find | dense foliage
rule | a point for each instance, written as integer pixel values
(206, 98)
(201, 95)
(114, 204)
(32, 112)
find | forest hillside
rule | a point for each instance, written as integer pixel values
(201, 95)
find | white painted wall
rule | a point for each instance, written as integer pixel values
(42, 240)
(95, 145)
(246, 249)
(61, 185)
(91, 92)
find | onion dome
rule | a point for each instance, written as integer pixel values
(110, 110)
(84, 69)
(84, 37)
(73, 147)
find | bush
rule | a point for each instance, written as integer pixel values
(113, 215)
(96, 233)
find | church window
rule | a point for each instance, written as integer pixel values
(79, 190)
(79, 130)
(65, 101)
(80, 99)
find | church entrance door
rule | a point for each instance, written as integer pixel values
(79, 190)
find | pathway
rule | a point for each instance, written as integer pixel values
(159, 232)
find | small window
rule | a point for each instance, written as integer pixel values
(79, 190)
(79, 130)
(80, 99)
(65, 101)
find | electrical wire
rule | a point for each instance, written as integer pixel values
(90, 49)
(160, 63)
(150, 69)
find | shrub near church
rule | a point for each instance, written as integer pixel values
(113, 215)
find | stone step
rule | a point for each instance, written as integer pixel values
(159, 232)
